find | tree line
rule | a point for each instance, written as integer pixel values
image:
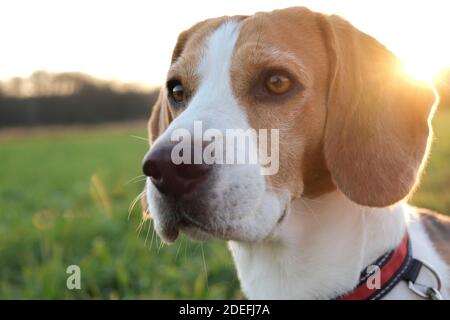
(71, 98)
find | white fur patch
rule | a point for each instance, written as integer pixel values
(324, 244)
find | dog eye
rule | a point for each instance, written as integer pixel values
(176, 91)
(277, 84)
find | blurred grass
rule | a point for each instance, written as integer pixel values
(64, 200)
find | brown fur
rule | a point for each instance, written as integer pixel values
(359, 123)
(160, 117)
(377, 126)
(301, 118)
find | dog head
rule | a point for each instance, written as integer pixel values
(345, 114)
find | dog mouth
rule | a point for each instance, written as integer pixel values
(202, 231)
(200, 220)
(196, 230)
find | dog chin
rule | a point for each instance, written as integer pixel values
(254, 222)
(266, 217)
(197, 231)
(194, 231)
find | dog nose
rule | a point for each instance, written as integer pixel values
(170, 178)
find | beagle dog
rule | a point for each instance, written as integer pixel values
(353, 131)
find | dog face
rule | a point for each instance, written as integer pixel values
(347, 118)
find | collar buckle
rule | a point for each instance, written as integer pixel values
(427, 292)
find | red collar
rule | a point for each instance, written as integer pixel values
(393, 267)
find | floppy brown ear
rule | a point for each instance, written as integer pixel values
(160, 117)
(377, 129)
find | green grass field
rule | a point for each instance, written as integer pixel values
(64, 201)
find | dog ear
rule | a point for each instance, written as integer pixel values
(160, 117)
(377, 129)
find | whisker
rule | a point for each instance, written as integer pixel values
(205, 268)
(139, 138)
(139, 225)
(178, 249)
(133, 203)
(139, 180)
(161, 244)
(153, 236)
(136, 178)
(148, 231)
(139, 228)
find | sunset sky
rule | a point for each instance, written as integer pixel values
(132, 40)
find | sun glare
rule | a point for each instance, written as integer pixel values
(424, 69)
